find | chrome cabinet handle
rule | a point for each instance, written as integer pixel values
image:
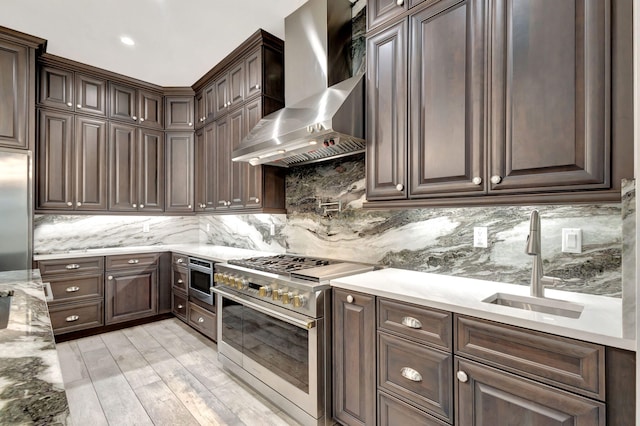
(410, 374)
(349, 299)
(180, 306)
(72, 318)
(462, 376)
(133, 261)
(411, 322)
(400, 187)
(180, 260)
(110, 277)
(72, 289)
(477, 180)
(69, 104)
(72, 266)
(200, 320)
(496, 179)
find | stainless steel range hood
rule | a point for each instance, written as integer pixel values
(324, 107)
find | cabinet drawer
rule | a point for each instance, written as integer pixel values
(126, 261)
(179, 259)
(416, 373)
(179, 306)
(179, 278)
(76, 316)
(66, 266)
(202, 320)
(569, 364)
(425, 325)
(76, 287)
(392, 412)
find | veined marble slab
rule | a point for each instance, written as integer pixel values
(31, 386)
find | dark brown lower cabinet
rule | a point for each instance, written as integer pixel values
(131, 294)
(68, 317)
(394, 412)
(179, 305)
(202, 320)
(354, 358)
(488, 396)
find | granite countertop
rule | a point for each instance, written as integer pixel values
(31, 386)
(600, 321)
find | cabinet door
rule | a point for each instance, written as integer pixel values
(253, 73)
(131, 295)
(56, 88)
(253, 176)
(210, 102)
(487, 396)
(179, 113)
(15, 89)
(200, 108)
(386, 155)
(179, 172)
(221, 96)
(380, 11)
(91, 95)
(238, 169)
(55, 161)
(550, 102)
(123, 103)
(446, 98)
(236, 85)
(90, 164)
(150, 165)
(122, 167)
(223, 164)
(354, 358)
(150, 109)
(205, 163)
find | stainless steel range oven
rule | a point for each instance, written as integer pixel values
(201, 280)
(273, 331)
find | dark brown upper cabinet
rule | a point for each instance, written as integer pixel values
(72, 162)
(205, 170)
(72, 91)
(381, 11)
(229, 90)
(132, 105)
(179, 113)
(200, 109)
(136, 168)
(253, 74)
(17, 88)
(238, 169)
(222, 144)
(179, 172)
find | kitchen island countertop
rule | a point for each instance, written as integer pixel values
(31, 386)
(600, 321)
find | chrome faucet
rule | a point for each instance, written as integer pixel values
(533, 249)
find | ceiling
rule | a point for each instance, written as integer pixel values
(176, 41)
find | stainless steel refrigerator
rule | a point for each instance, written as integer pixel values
(16, 209)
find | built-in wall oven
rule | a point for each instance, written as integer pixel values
(273, 329)
(201, 280)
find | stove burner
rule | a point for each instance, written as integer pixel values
(281, 263)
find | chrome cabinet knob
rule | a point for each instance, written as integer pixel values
(69, 104)
(400, 187)
(496, 179)
(257, 200)
(180, 281)
(349, 299)
(189, 206)
(190, 124)
(110, 277)
(257, 86)
(180, 260)
(79, 106)
(135, 205)
(141, 119)
(200, 320)
(134, 117)
(399, 2)
(142, 206)
(78, 204)
(477, 180)
(462, 376)
(69, 203)
(180, 306)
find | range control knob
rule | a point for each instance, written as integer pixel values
(264, 291)
(216, 277)
(242, 283)
(276, 294)
(287, 297)
(299, 301)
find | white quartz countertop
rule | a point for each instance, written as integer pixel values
(600, 321)
(205, 251)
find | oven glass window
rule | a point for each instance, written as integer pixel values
(232, 323)
(278, 346)
(200, 281)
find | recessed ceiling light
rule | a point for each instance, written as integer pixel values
(127, 40)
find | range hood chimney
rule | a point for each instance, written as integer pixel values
(323, 115)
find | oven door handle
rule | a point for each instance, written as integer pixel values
(306, 324)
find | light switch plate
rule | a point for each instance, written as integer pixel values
(571, 240)
(480, 236)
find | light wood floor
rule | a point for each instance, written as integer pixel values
(163, 373)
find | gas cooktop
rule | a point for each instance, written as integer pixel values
(281, 264)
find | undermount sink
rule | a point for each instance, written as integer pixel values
(537, 304)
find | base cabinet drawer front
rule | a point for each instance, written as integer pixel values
(179, 306)
(421, 375)
(566, 363)
(393, 412)
(179, 278)
(179, 260)
(76, 316)
(202, 320)
(128, 261)
(73, 265)
(488, 397)
(131, 295)
(76, 287)
(425, 325)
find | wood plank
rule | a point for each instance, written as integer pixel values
(163, 406)
(84, 405)
(71, 363)
(135, 368)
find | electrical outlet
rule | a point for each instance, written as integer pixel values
(208, 227)
(145, 227)
(480, 236)
(571, 240)
(272, 230)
